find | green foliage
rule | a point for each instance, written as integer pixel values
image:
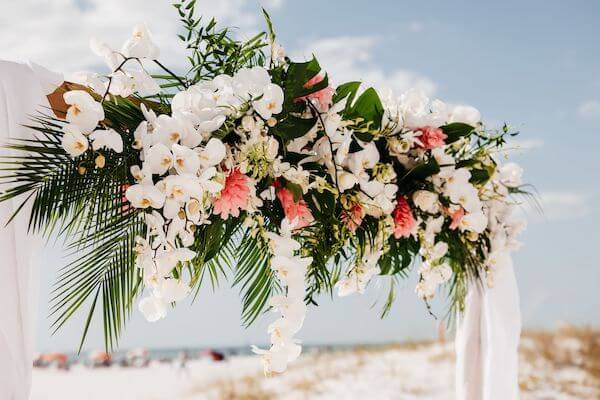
(456, 130)
(421, 171)
(296, 77)
(73, 198)
(254, 276)
(291, 127)
(367, 107)
(213, 50)
(346, 91)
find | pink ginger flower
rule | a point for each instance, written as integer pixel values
(353, 217)
(457, 216)
(404, 220)
(125, 205)
(431, 137)
(323, 97)
(234, 196)
(294, 210)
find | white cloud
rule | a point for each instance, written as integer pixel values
(56, 33)
(559, 206)
(589, 109)
(350, 58)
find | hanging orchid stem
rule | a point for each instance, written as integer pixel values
(318, 114)
(119, 68)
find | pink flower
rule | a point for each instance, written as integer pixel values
(294, 210)
(457, 216)
(125, 205)
(431, 137)
(353, 217)
(323, 96)
(404, 220)
(234, 196)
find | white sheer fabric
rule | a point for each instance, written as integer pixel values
(487, 339)
(23, 89)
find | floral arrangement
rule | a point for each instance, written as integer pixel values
(255, 164)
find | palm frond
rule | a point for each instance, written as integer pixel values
(72, 198)
(253, 274)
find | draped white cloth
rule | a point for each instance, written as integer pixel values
(487, 338)
(23, 89)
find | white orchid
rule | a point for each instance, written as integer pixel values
(433, 226)
(121, 84)
(283, 329)
(213, 153)
(289, 308)
(249, 83)
(299, 176)
(141, 139)
(360, 275)
(207, 182)
(107, 139)
(140, 44)
(271, 101)
(282, 245)
(201, 107)
(172, 290)
(94, 81)
(73, 141)
(143, 83)
(112, 58)
(427, 201)
(461, 191)
(435, 252)
(168, 260)
(159, 159)
(346, 180)
(150, 116)
(83, 110)
(153, 308)
(511, 174)
(170, 130)
(137, 173)
(366, 158)
(276, 359)
(379, 198)
(186, 160)
(144, 195)
(475, 222)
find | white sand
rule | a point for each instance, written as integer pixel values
(397, 372)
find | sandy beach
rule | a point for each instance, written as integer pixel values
(563, 365)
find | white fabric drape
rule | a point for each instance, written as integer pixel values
(487, 338)
(23, 89)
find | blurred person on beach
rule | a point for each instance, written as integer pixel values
(180, 364)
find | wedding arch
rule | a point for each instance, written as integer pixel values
(253, 164)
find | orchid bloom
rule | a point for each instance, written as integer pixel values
(73, 141)
(83, 111)
(108, 139)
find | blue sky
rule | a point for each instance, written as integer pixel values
(533, 64)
